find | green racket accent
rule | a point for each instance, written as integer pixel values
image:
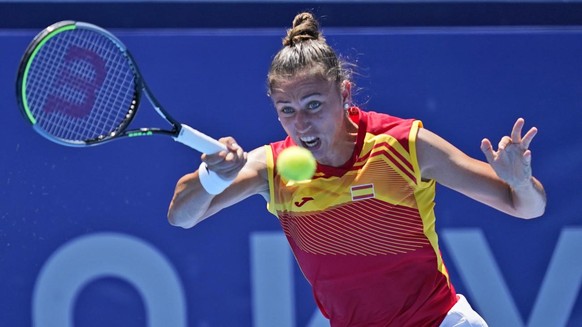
(83, 88)
(30, 60)
(140, 133)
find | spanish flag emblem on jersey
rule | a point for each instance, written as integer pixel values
(362, 192)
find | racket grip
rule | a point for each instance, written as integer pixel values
(198, 140)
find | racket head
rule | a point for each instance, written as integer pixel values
(77, 84)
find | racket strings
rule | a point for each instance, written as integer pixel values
(80, 86)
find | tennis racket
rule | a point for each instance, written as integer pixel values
(79, 86)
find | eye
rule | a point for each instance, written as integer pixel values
(313, 105)
(287, 110)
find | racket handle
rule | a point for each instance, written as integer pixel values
(198, 140)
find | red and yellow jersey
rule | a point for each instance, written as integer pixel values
(364, 233)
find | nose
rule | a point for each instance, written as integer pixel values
(302, 122)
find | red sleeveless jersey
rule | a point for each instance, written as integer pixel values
(364, 233)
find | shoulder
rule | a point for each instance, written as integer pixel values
(382, 123)
(276, 147)
(272, 150)
(402, 130)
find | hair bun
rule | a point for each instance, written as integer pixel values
(305, 27)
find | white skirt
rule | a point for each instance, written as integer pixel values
(462, 315)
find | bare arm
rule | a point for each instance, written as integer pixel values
(505, 182)
(191, 203)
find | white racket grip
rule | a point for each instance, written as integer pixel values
(198, 140)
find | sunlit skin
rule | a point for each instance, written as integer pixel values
(311, 111)
(310, 90)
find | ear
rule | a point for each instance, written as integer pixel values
(346, 91)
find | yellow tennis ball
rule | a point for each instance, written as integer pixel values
(296, 164)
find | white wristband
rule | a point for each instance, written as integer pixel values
(212, 183)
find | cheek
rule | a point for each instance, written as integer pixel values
(332, 120)
(287, 125)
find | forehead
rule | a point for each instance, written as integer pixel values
(302, 84)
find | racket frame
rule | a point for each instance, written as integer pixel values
(181, 133)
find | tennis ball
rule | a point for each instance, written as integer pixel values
(296, 164)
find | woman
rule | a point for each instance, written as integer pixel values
(363, 228)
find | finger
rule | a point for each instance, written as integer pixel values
(505, 141)
(240, 153)
(214, 158)
(487, 149)
(516, 131)
(528, 137)
(527, 157)
(235, 156)
(238, 150)
(232, 145)
(236, 153)
(227, 141)
(232, 168)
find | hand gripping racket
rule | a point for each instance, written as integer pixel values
(79, 86)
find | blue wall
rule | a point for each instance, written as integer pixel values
(63, 209)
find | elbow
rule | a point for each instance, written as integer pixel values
(530, 216)
(530, 206)
(536, 214)
(533, 213)
(178, 218)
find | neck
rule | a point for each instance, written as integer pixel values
(347, 144)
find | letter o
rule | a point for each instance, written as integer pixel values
(87, 258)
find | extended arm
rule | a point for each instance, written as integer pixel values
(505, 182)
(192, 203)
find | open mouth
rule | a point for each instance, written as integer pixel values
(310, 141)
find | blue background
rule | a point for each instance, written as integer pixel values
(463, 83)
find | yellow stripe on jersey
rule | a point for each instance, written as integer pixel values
(425, 197)
(384, 170)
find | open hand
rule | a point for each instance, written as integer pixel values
(512, 160)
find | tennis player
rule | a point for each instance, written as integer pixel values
(363, 229)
